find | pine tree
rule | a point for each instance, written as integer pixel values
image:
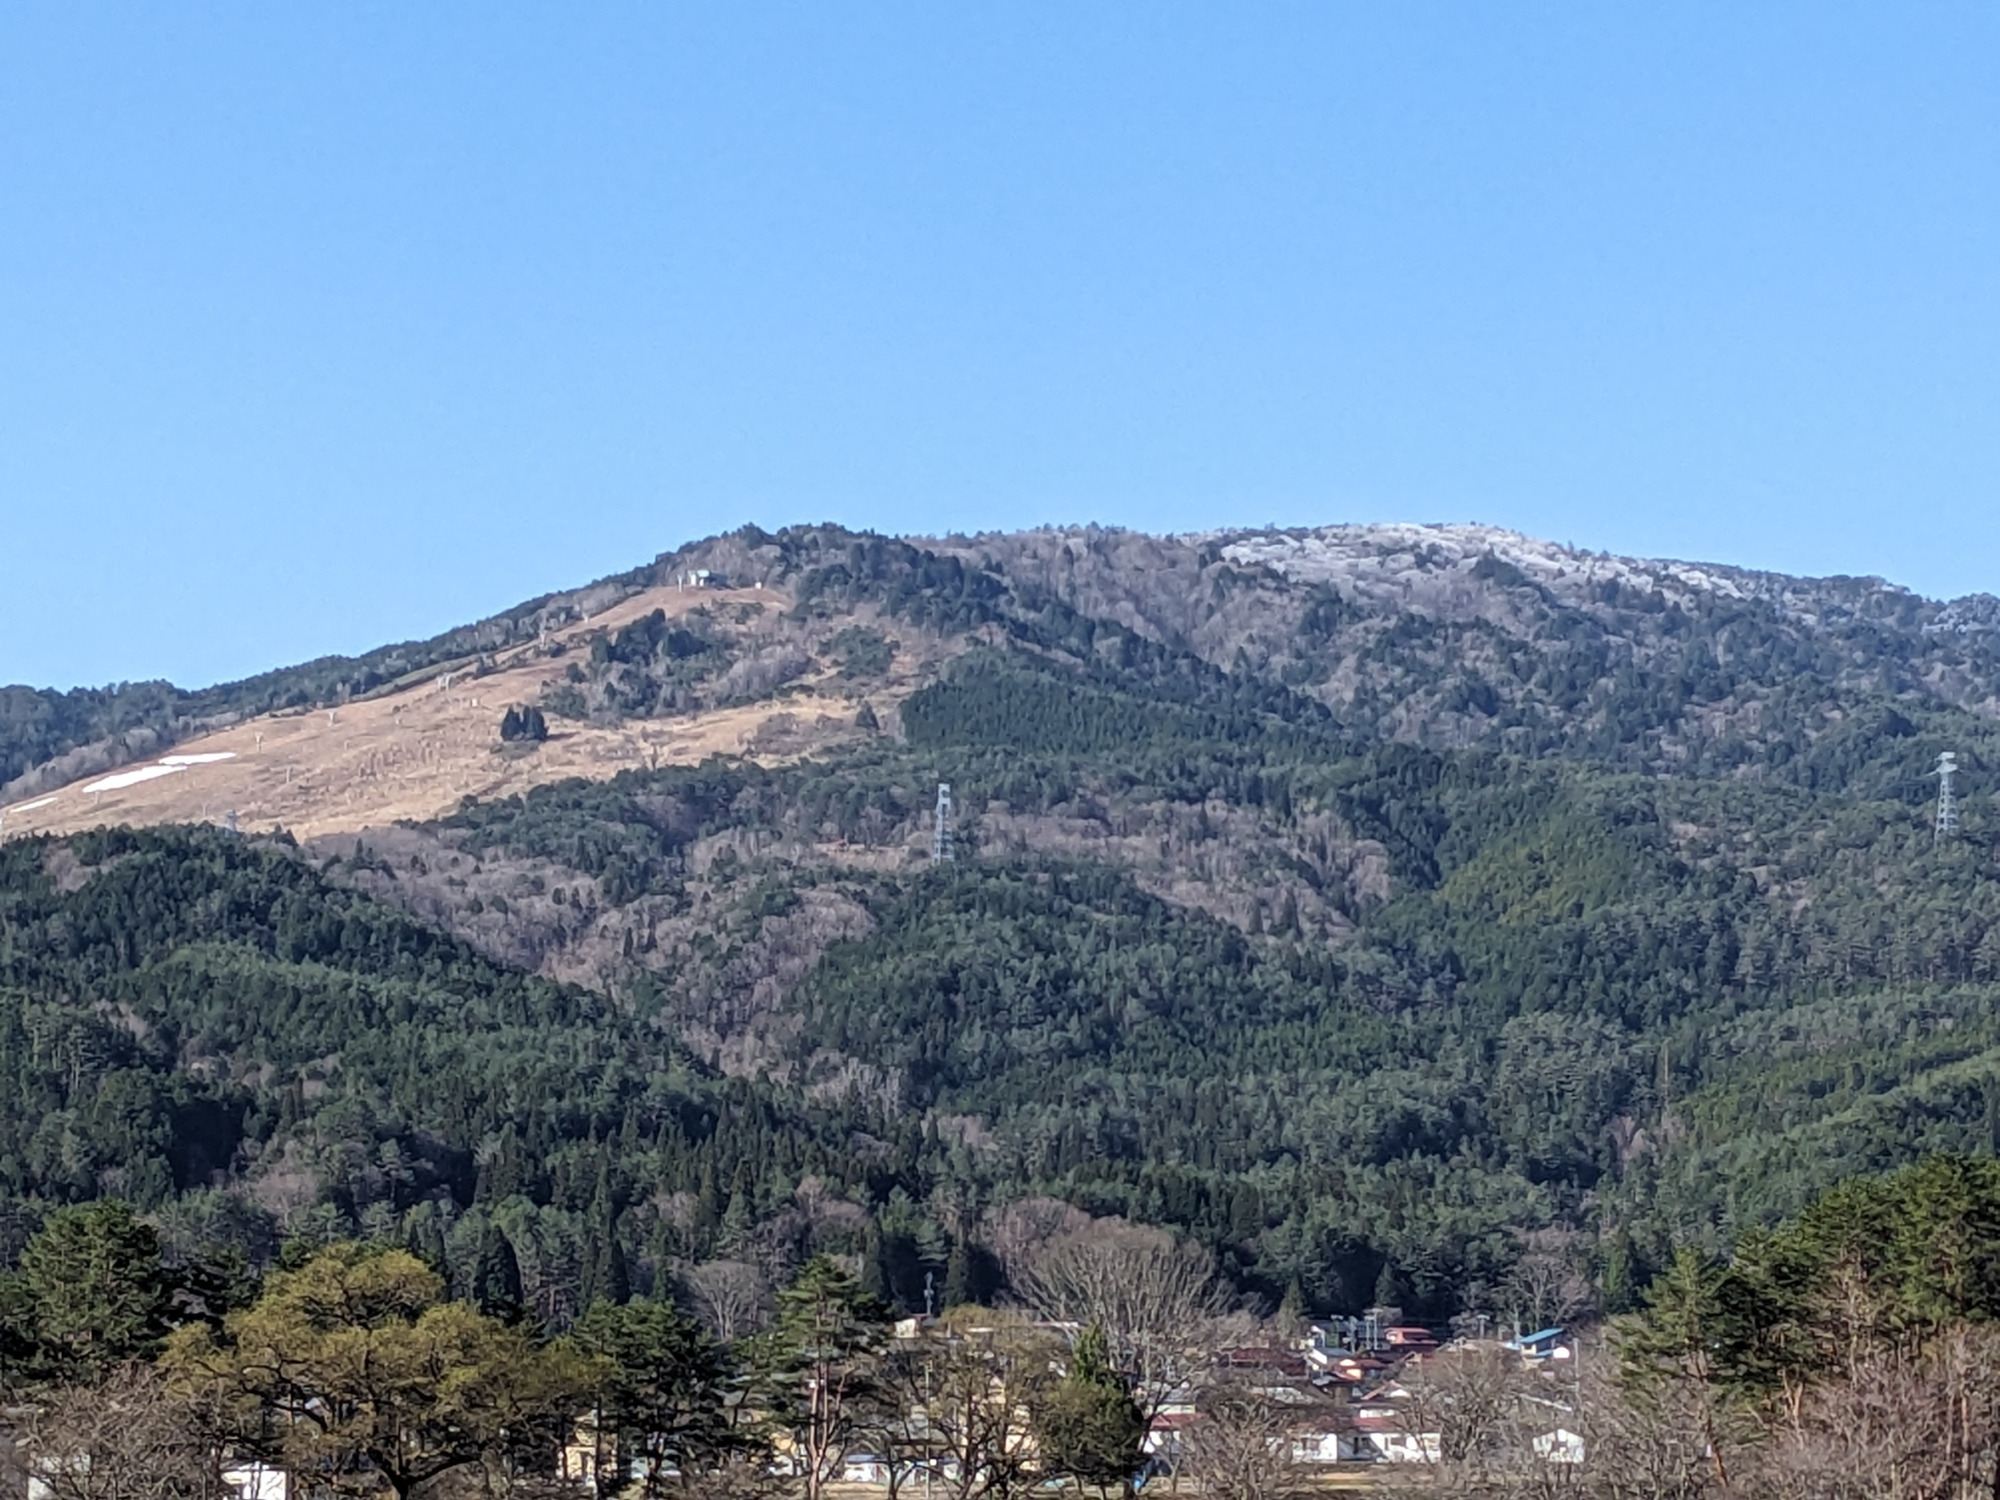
(423, 1237)
(612, 1274)
(496, 1278)
(1389, 1287)
(958, 1275)
(1090, 1427)
(1246, 1212)
(663, 1387)
(606, 1277)
(500, 1175)
(824, 1371)
(737, 1221)
(1617, 1285)
(874, 1267)
(418, 1389)
(707, 1205)
(1674, 1342)
(1292, 1311)
(90, 1292)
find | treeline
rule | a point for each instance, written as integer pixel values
(1696, 685)
(355, 1364)
(1849, 1352)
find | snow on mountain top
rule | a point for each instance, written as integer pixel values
(1351, 553)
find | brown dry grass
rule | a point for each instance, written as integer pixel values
(413, 754)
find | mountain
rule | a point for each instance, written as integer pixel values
(1445, 636)
(1386, 907)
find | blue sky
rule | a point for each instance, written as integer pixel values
(327, 325)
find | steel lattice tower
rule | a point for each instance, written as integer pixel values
(941, 827)
(1947, 817)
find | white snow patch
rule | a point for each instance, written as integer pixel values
(208, 758)
(1385, 555)
(29, 806)
(132, 778)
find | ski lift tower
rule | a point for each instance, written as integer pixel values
(1947, 812)
(941, 826)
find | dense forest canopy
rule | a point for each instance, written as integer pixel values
(1643, 941)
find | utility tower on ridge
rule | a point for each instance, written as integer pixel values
(941, 849)
(1947, 817)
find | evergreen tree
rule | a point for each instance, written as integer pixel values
(874, 1266)
(1292, 1310)
(662, 1387)
(1390, 1289)
(822, 1366)
(356, 1369)
(500, 1170)
(523, 724)
(610, 1279)
(496, 1278)
(1617, 1283)
(1679, 1343)
(1090, 1427)
(423, 1237)
(90, 1292)
(707, 1207)
(958, 1275)
(606, 1277)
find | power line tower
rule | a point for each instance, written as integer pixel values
(941, 849)
(1947, 817)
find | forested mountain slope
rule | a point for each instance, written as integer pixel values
(1392, 909)
(1459, 635)
(207, 1028)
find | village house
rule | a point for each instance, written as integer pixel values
(1545, 1343)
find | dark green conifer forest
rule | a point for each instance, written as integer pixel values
(1352, 1011)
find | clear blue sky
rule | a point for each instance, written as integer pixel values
(324, 325)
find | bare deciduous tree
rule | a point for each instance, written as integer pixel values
(1021, 1231)
(1646, 1446)
(962, 1394)
(1156, 1298)
(1923, 1425)
(1241, 1447)
(1548, 1285)
(1460, 1413)
(126, 1439)
(729, 1296)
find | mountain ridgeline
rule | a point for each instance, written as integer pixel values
(1395, 910)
